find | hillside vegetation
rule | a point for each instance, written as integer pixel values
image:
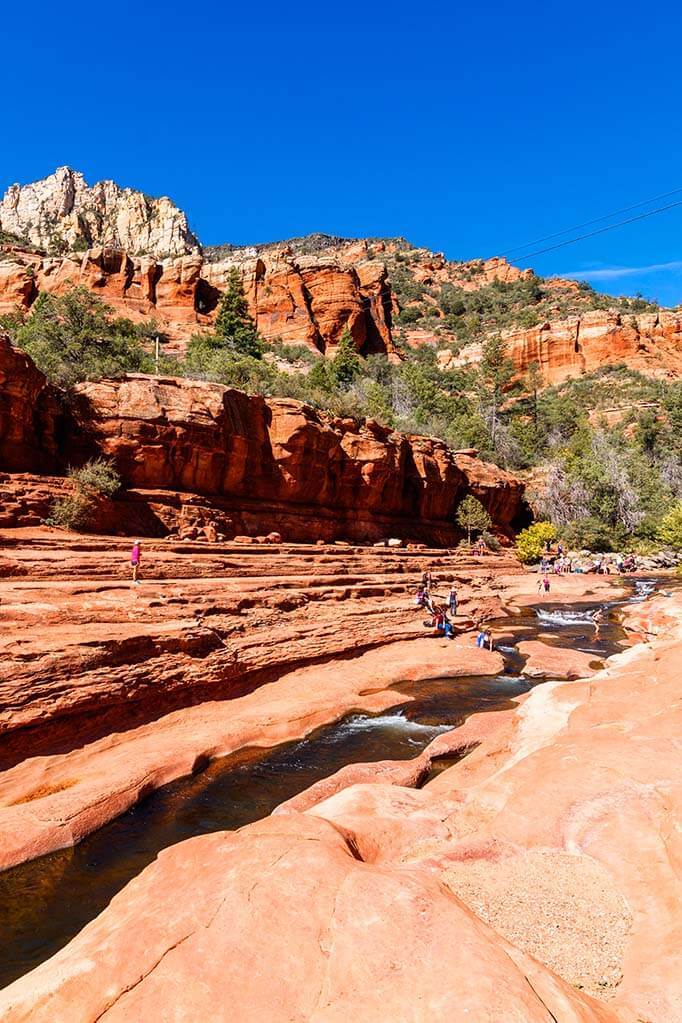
(606, 478)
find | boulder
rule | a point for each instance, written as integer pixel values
(344, 939)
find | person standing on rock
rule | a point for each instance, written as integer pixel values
(452, 601)
(135, 558)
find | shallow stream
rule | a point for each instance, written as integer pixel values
(44, 903)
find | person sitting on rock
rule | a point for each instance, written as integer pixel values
(484, 639)
(135, 558)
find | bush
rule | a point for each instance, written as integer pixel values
(490, 540)
(594, 535)
(72, 512)
(530, 542)
(670, 529)
(75, 337)
(98, 476)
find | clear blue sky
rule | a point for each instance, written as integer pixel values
(466, 128)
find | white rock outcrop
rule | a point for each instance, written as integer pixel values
(62, 212)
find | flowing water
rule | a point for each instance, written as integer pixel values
(43, 904)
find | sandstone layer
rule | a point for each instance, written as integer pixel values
(306, 300)
(139, 255)
(650, 343)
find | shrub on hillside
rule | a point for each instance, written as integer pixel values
(71, 512)
(98, 476)
(670, 529)
(592, 534)
(530, 543)
(490, 540)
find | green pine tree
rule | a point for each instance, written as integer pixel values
(495, 371)
(472, 515)
(234, 323)
(346, 366)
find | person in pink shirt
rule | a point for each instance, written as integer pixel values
(135, 558)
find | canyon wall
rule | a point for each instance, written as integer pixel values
(308, 300)
(29, 414)
(648, 342)
(248, 463)
(278, 464)
(138, 254)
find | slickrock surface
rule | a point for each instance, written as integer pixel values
(545, 661)
(108, 690)
(283, 921)
(548, 850)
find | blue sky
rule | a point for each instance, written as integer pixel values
(467, 130)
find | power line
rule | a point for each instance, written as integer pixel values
(601, 230)
(588, 223)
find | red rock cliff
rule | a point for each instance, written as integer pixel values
(303, 299)
(260, 464)
(278, 464)
(28, 414)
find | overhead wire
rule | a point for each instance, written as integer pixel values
(600, 230)
(588, 223)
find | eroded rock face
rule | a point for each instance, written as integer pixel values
(259, 464)
(29, 411)
(648, 342)
(302, 300)
(62, 212)
(285, 461)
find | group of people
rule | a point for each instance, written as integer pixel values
(561, 565)
(441, 613)
(603, 565)
(561, 562)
